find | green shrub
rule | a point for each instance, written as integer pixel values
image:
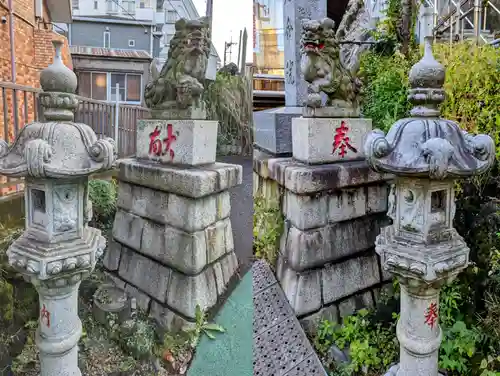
(267, 230)
(228, 100)
(103, 194)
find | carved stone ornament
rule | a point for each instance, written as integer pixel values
(427, 145)
(58, 148)
(323, 69)
(176, 91)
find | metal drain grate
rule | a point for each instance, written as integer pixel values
(262, 276)
(309, 367)
(270, 308)
(280, 349)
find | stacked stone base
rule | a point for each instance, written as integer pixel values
(327, 265)
(172, 244)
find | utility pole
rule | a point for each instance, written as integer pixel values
(243, 61)
(239, 50)
(228, 46)
(209, 13)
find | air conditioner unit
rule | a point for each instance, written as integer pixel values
(38, 8)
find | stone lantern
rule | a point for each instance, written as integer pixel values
(57, 249)
(426, 153)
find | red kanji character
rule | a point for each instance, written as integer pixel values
(342, 141)
(431, 315)
(155, 143)
(168, 141)
(45, 316)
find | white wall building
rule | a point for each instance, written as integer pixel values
(162, 13)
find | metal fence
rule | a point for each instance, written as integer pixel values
(20, 105)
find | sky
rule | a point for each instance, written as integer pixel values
(229, 17)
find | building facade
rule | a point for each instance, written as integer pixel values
(119, 38)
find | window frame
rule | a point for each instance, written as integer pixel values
(108, 34)
(108, 85)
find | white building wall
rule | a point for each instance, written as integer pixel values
(172, 11)
(124, 8)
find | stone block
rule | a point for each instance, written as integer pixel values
(355, 303)
(305, 179)
(186, 252)
(348, 277)
(229, 266)
(377, 198)
(347, 204)
(305, 212)
(273, 129)
(167, 319)
(310, 323)
(194, 182)
(186, 292)
(127, 229)
(112, 256)
(215, 237)
(303, 290)
(142, 299)
(183, 142)
(316, 247)
(328, 140)
(177, 211)
(148, 275)
(112, 278)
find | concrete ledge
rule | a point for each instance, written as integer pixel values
(305, 179)
(194, 182)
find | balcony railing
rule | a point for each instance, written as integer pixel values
(20, 105)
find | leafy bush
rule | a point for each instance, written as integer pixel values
(267, 229)
(229, 101)
(103, 194)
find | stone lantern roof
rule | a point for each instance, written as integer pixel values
(57, 147)
(426, 145)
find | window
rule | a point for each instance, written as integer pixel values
(99, 89)
(128, 6)
(170, 16)
(75, 4)
(112, 6)
(118, 79)
(133, 87)
(168, 38)
(107, 39)
(102, 86)
(96, 5)
(131, 43)
(85, 84)
(144, 4)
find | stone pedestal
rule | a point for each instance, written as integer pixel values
(273, 130)
(173, 243)
(333, 212)
(180, 142)
(328, 140)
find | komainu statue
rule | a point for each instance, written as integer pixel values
(176, 91)
(323, 69)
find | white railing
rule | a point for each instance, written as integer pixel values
(454, 16)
